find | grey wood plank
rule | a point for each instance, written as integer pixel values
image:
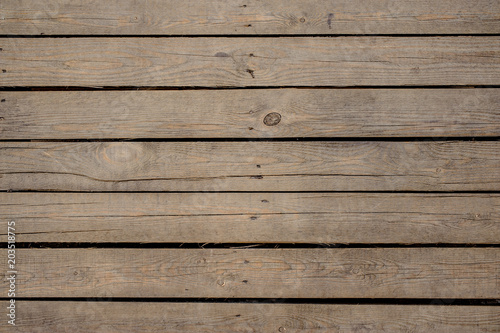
(132, 317)
(252, 217)
(242, 62)
(251, 166)
(249, 17)
(259, 273)
(241, 113)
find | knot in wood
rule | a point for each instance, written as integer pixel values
(272, 119)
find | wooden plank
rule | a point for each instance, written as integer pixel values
(132, 317)
(241, 113)
(236, 62)
(251, 166)
(248, 17)
(267, 273)
(252, 217)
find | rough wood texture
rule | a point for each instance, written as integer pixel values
(275, 273)
(248, 17)
(241, 113)
(251, 166)
(128, 317)
(252, 217)
(215, 62)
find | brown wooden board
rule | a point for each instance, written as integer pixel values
(249, 17)
(251, 166)
(241, 113)
(241, 62)
(347, 154)
(252, 217)
(258, 273)
(132, 317)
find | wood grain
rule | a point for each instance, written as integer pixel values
(268, 273)
(132, 317)
(251, 166)
(241, 62)
(249, 17)
(241, 113)
(252, 217)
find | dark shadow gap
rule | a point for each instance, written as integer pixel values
(109, 88)
(339, 301)
(248, 191)
(235, 246)
(276, 139)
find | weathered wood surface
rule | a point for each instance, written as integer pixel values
(215, 62)
(248, 17)
(251, 166)
(275, 273)
(252, 217)
(241, 113)
(133, 317)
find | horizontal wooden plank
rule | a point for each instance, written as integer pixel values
(248, 17)
(236, 62)
(274, 273)
(252, 217)
(241, 113)
(251, 166)
(132, 317)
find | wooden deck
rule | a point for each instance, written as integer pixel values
(250, 166)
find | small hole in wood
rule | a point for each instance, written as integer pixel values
(222, 55)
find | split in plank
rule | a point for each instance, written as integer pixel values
(240, 62)
(249, 17)
(252, 217)
(251, 166)
(258, 273)
(134, 317)
(241, 113)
